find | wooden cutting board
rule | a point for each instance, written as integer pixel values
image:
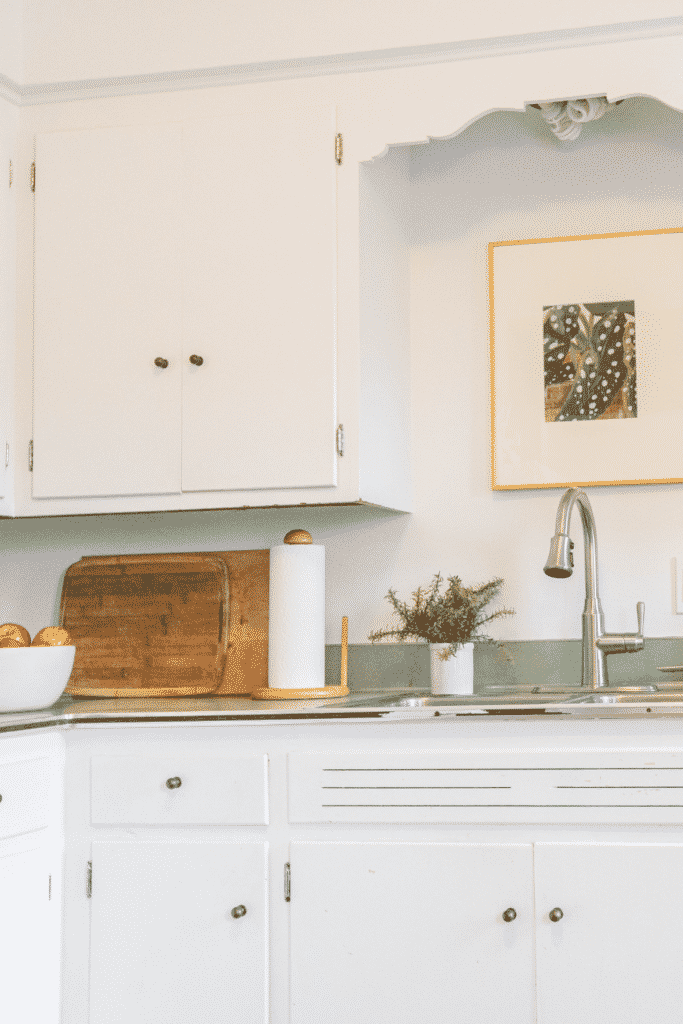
(168, 625)
(246, 667)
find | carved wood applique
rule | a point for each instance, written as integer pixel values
(566, 118)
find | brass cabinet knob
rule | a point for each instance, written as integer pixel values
(239, 911)
(510, 914)
(556, 914)
(174, 783)
(161, 362)
(196, 360)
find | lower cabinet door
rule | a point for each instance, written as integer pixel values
(29, 939)
(415, 933)
(178, 933)
(614, 956)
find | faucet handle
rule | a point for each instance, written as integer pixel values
(625, 643)
(640, 612)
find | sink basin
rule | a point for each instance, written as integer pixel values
(511, 698)
(667, 697)
(427, 700)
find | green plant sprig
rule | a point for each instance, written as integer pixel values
(454, 617)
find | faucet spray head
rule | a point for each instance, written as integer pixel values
(560, 562)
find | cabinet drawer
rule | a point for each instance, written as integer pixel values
(175, 789)
(25, 790)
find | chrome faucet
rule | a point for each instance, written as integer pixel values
(597, 644)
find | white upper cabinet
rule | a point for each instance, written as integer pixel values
(7, 283)
(216, 223)
(259, 279)
(108, 303)
(185, 307)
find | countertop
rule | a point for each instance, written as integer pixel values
(360, 705)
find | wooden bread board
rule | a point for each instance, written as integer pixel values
(168, 625)
(246, 667)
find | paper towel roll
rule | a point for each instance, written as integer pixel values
(296, 642)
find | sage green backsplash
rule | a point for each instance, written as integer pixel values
(516, 663)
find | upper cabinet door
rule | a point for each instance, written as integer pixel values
(107, 304)
(259, 281)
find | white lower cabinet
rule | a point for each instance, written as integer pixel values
(615, 954)
(414, 932)
(178, 932)
(425, 885)
(411, 932)
(29, 934)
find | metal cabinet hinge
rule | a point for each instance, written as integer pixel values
(10, 174)
(88, 882)
(288, 883)
(30, 456)
(338, 147)
(33, 177)
(340, 439)
(6, 454)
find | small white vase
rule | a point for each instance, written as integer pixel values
(454, 674)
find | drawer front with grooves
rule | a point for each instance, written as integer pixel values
(176, 789)
(25, 788)
(612, 787)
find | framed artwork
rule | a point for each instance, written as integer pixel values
(587, 360)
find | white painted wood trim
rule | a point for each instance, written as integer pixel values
(414, 786)
(336, 64)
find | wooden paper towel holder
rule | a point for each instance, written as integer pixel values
(312, 692)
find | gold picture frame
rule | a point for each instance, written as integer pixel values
(572, 405)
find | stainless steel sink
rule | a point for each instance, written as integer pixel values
(511, 698)
(426, 700)
(598, 697)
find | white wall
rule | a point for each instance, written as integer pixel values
(505, 176)
(11, 46)
(360, 549)
(82, 39)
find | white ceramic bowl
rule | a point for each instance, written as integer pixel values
(33, 677)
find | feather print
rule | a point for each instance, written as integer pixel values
(589, 355)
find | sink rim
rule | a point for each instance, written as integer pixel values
(557, 698)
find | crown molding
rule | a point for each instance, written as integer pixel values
(338, 64)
